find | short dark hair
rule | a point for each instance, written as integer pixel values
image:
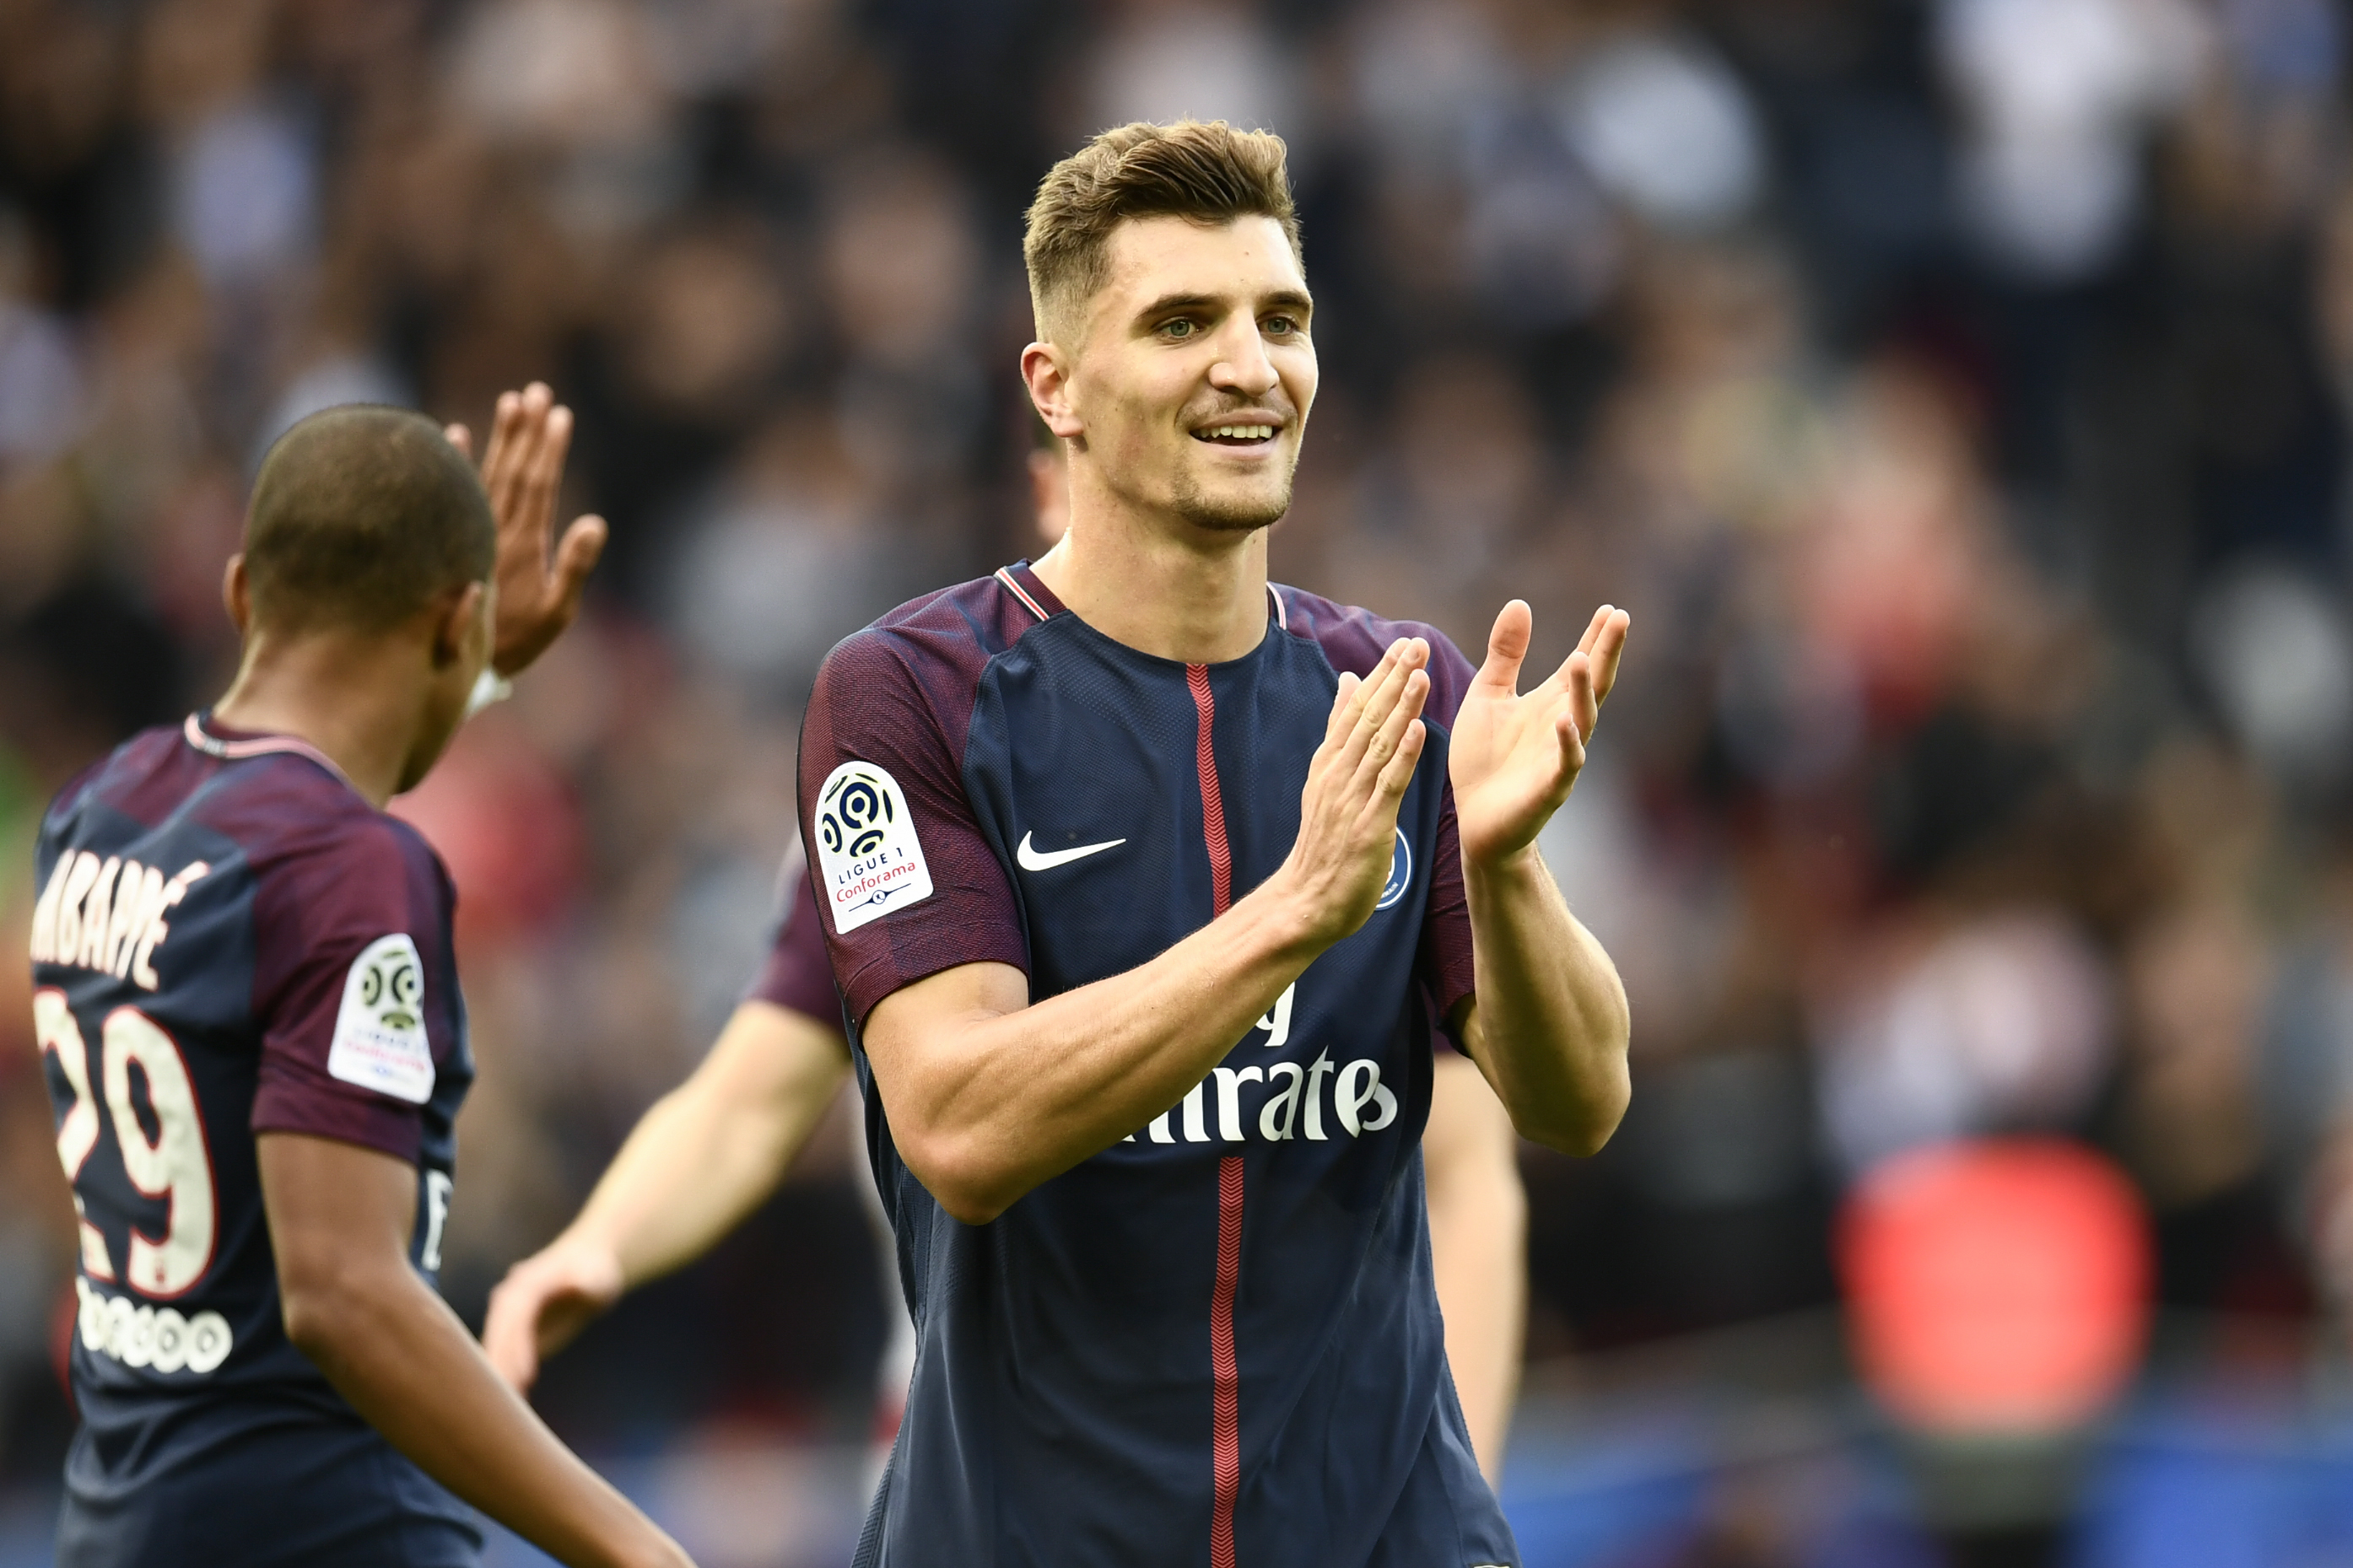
(1204, 171)
(361, 515)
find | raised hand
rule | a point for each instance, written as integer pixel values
(540, 578)
(543, 1302)
(1514, 756)
(1347, 812)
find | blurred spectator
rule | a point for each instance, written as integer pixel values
(2059, 93)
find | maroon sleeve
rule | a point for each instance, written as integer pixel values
(317, 914)
(1446, 968)
(798, 976)
(881, 797)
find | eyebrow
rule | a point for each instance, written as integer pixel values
(1282, 300)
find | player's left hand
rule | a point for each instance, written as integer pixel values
(540, 578)
(1513, 756)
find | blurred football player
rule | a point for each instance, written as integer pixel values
(713, 1150)
(247, 1005)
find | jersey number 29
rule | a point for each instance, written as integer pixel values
(174, 1164)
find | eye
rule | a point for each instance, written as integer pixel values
(1182, 327)
(1282, 326)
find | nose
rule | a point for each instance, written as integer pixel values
(1242, 365)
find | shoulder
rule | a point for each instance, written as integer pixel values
(946, 636)
(324, 855)
(118, 779)
(1353, 640)
(922, 663)
(285, 808)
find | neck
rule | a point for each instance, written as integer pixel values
(350, 696)
(1162, 587)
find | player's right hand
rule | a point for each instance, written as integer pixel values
(1348, 810)
(543, 1303)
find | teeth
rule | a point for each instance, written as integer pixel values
(1244, 432)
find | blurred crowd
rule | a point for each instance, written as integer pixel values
(1954, 390)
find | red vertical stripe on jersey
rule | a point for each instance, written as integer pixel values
(1226, 1421)
(1213, 805)
(1225, 1439)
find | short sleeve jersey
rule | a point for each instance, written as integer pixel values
(798, 975)
(1219, 1339)
(229, 940)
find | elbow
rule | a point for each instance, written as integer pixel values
(968, 1207)
(1583, 1127)
(972, 1188)
(318, 1314)
(327, 1310)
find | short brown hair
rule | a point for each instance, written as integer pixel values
(361, 515)
(1205, 172)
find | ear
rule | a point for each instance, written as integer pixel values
(237, 594)
(459, 623)
(1046, 371)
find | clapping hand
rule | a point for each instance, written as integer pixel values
(1513, 756)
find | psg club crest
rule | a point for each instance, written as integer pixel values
(868, 855)
(1400, 872)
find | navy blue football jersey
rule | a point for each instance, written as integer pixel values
(1216, 1341)
(230, 941)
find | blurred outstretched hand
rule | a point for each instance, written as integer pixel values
(540, 577)
(543, 1302)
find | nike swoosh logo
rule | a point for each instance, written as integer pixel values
(1034, 860)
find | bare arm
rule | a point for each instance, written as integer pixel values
(989, 1095)
(705, 1155)
(338, 1221)
(1549, 1023)
(1478, 1242)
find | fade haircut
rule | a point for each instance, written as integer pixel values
(362, 516)
(1206, 173)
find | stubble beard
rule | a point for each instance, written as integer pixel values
(1218, 514)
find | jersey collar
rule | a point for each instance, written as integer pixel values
(1029, 588)
(234, 749)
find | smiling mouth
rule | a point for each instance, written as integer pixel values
(1236, 434)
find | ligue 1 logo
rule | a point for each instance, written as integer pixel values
(857, 816)
(870, 860)
(391, 987)
(1400, 872)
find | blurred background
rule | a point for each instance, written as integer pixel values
(1957, 391)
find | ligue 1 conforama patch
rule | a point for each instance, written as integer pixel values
(379, 1041)
(868, 855)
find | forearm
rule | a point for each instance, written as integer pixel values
(1011, 1097)
(393, 1349)
(1478, 1245)
(692, 1169)
(1550, 1019)
(710, 1152)
(1477, 1242)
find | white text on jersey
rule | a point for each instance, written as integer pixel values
(107, 915)
(157, 1338)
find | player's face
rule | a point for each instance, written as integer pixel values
(1196, 371)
